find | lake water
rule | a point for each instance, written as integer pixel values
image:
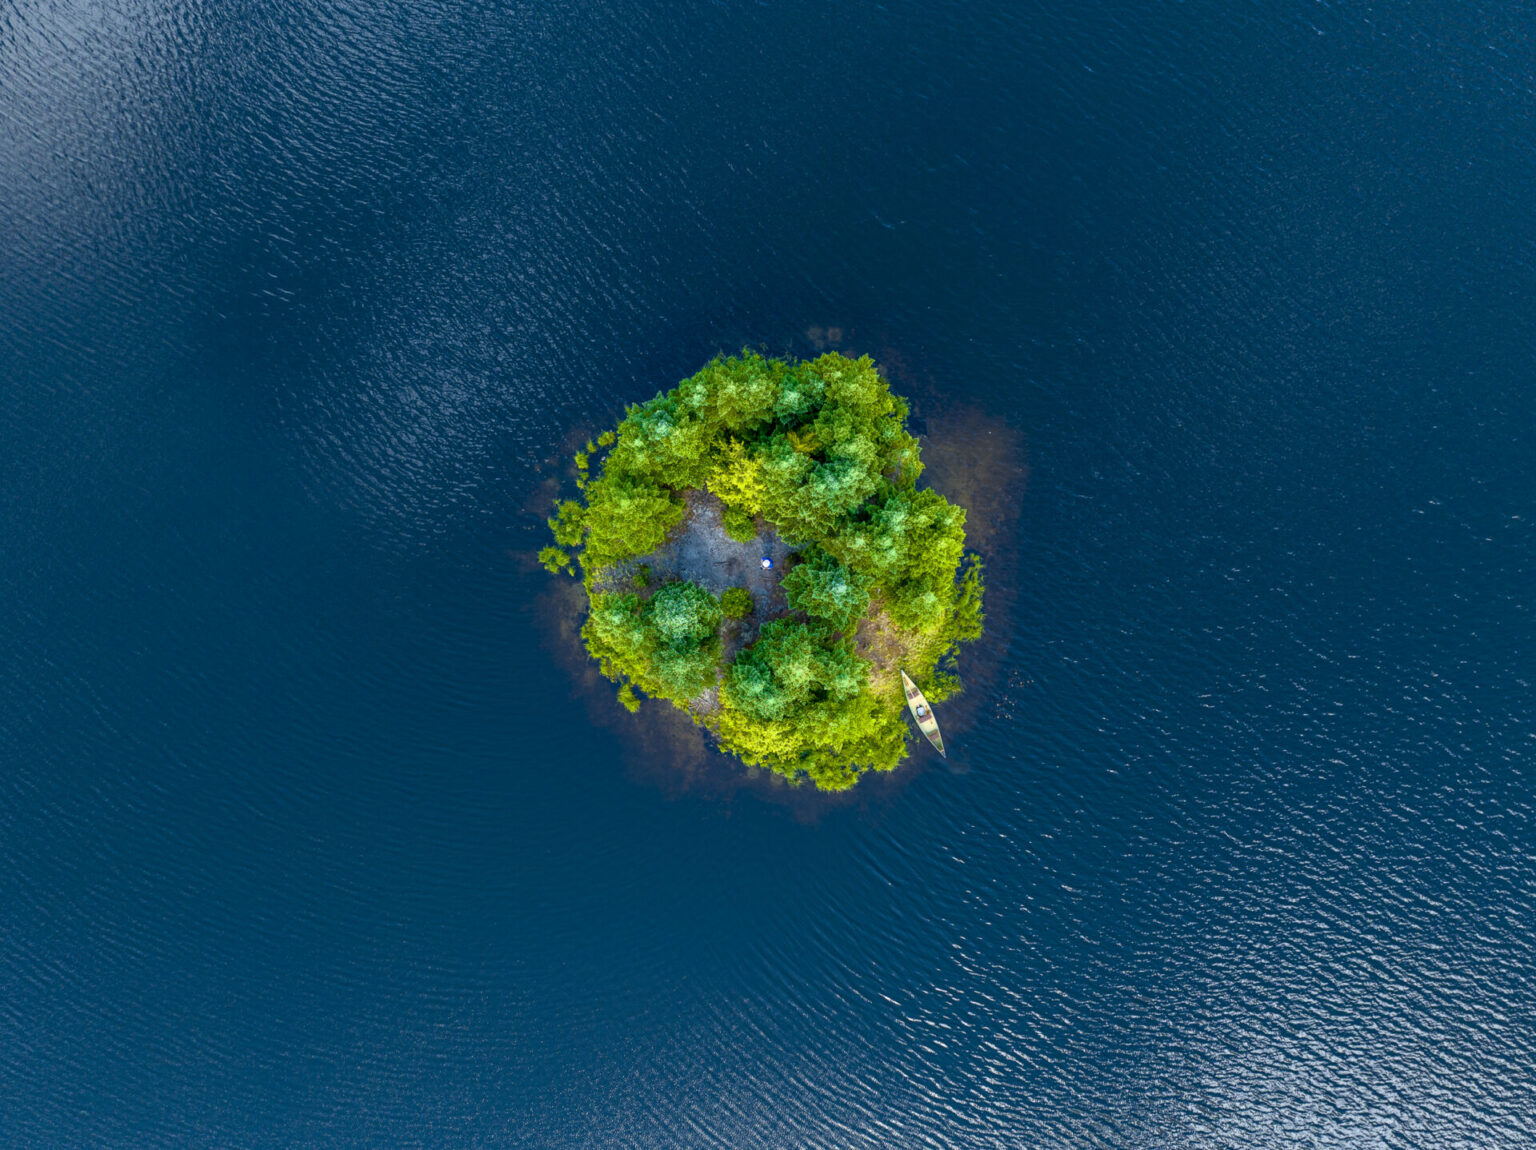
(314, 833)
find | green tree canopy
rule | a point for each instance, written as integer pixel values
(822, 587)
(667, 644)
(790, 665)
(628, 516)
(684, 614)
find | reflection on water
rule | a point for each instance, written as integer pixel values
(824, 338)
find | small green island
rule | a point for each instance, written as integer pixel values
(794, 664)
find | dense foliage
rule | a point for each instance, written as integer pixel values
(667, 644)
(819, 452)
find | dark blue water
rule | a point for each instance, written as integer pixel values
(313, 834)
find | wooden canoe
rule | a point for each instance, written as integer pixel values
(922, 714)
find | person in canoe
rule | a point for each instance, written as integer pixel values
(917, 703)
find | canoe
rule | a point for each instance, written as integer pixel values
(922, 714)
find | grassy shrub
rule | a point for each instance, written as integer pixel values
(736, 602)
(819, 450)
(739, 525)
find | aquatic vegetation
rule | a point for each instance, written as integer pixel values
(878, 576)
(555, 560)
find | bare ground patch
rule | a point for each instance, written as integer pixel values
(699, 550)
(887, 648)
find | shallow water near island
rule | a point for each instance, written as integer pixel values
(317, 830)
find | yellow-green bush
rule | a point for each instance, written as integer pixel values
(736, 602)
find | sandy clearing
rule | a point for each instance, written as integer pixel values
(700, 551)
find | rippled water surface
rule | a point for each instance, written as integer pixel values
(314, 833)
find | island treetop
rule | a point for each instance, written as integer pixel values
(793, 664)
